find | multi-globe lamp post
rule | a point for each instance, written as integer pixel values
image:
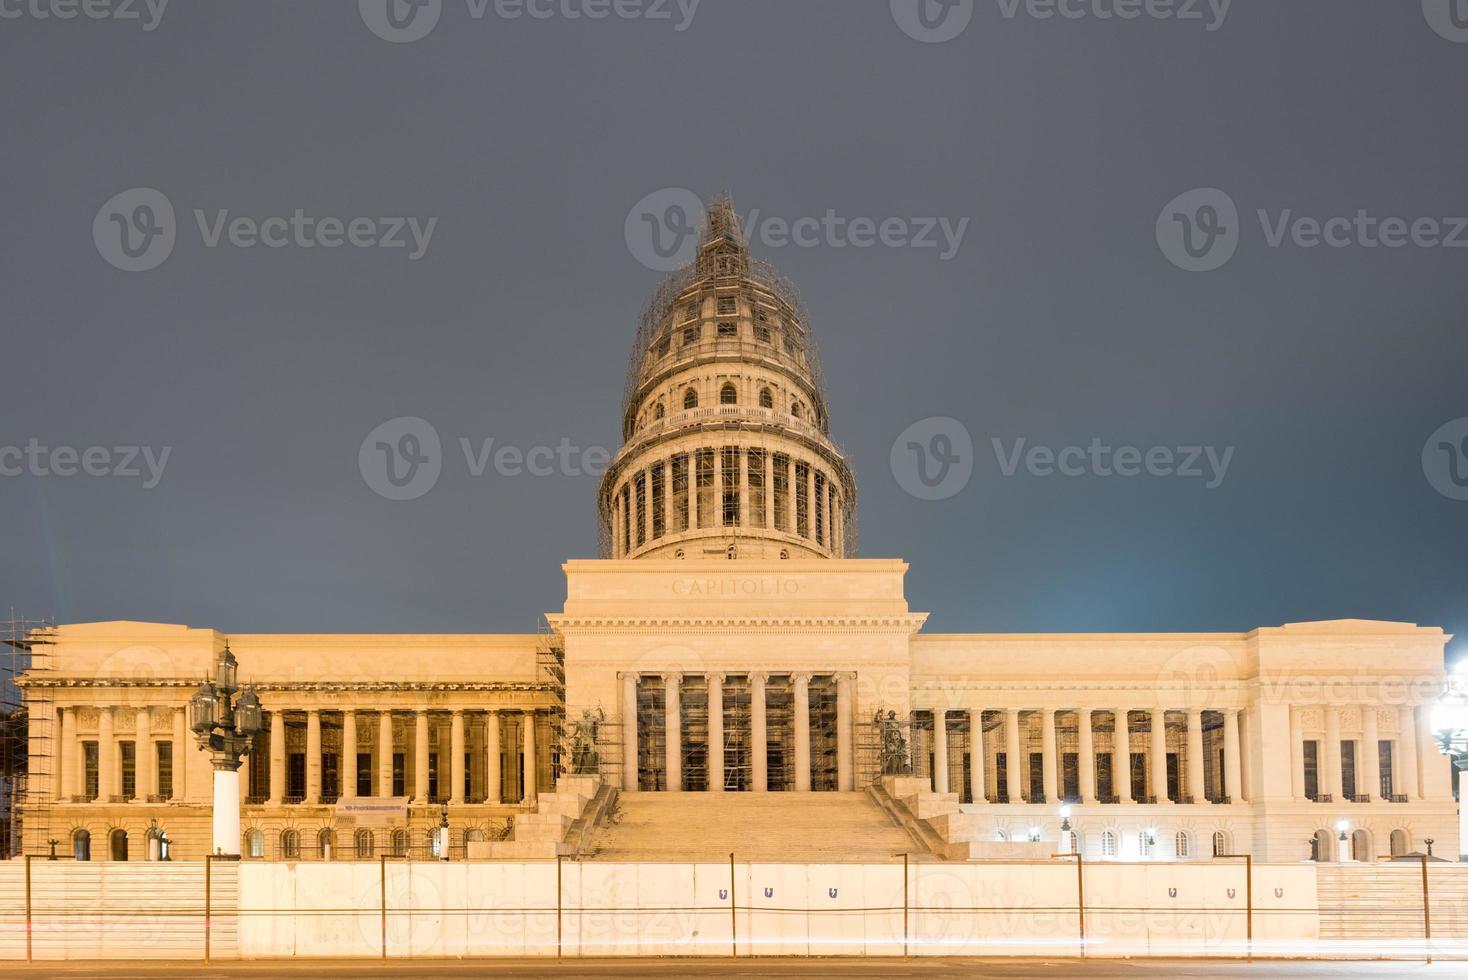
(225, 726)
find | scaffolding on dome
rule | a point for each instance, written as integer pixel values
(27, 736)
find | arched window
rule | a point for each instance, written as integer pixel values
(81, 845)
(1074, 840)
(117, 845)
(690, 399)
(363, 841)
(1220, 843)
(1182, 844)
(1361, 846)
(399, 843)
(435, 843)
(254, 843)
(678, 555)
(784, 553)
(1145, 843)
(1322, 846)
(728, 395)
(324, 841)
(1401, 843)
(795, 409)
(731, 552)
(657, 411)
(766, 400)
(290, 845)
(1108, 844)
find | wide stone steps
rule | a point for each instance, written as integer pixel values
(766, 827)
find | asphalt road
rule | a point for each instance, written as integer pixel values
(750, 967)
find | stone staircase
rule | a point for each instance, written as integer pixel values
(935, 820)
(561, 824)
(1384, 901)
(766, 827)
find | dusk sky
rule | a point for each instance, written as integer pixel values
(1024, 228)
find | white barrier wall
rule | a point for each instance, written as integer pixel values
(510, 909)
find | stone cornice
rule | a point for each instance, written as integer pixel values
(904, 623)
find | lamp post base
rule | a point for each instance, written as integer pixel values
(227, 810)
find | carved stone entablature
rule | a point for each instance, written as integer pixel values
(162, 718)
(86, 717)
(124, 722)
(910, 622)
(1312, 719)
(1387, 720)
(1350, 719)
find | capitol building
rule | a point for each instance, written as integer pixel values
(728, 676)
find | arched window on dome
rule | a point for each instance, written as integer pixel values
(728, 395)
(766, 400)
(795, 409)
(657, 411)
(690, 399)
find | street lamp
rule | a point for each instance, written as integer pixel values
(1342, 842)
(226, 727)
(443, 831)
(1065, 830)
(1151, 836)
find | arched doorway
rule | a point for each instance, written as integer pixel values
(1361, 846)
(117, 845)
(81, 845)
(1401, 843)
(1322, 847)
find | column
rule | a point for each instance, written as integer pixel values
(106, 756)
(743, 487)
(456, 759)
(940, 750)
(1159, 755)
(1407, 749)
(1012, 763)
(1231, 787)
(1087, 751)
(492, 778)
(673, 731)
(668, 527)
(384, 753)
(181, 750)
(790, 494)
(716, 732)
(145, 781)
(718, 487)
(769, 489)
(759, 761)
(1331, 776)
(616, 519)
(346, 767)
(800, 683)
(1297, 754)
(845, 776)
(976, 754)
(629, 732)
(1197, 785)
(420, 756)
(1368, 783)
(693, 490)
(810, 500)
(67, 752)
(1050, 782)
(530, 768)
(1121, 758)
(313, 756)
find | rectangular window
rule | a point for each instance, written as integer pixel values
(1037, 776)
(1070, 776)
(1104, 787)
(802, 500)
(659, 487)
(690, 312)
(756, 465)
(728, 306)
(468, 775)
(781, 490)
(728, 330)
(127, 753)
(330, 776)
(729, 461)
(1385, 749)
(1174, 785)
(679, 466)
(295, 776)
(364, 773)
(165, 769)
(433, 776)
(1312, 770)
(663, 346)
(89, 764)
(639, 490)
(1139, 775)
(705, 478)
(399, 775)
(1348, 770)
(690, 336)
(1001, 775)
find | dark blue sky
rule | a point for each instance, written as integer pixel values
(1058, 320)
